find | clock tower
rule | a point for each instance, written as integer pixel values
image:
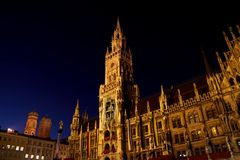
(117, 99)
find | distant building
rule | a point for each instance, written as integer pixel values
(31, 124)
(199, 118)
(17, 146)
(44, 128)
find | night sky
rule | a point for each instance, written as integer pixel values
(52, 56)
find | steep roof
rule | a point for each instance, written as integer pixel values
(186, 89)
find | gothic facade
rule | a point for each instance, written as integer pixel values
(199, 117)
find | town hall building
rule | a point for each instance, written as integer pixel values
(199, 118)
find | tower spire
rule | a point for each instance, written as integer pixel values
(220, 61)
(118, 24)
(76, 113)
(227, 41)
(207, 67)
(231, 31)
(238, 29)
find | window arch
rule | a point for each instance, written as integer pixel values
(106, 158)
(211, 112)
(106, 135)
(193, 117)
(106, 148)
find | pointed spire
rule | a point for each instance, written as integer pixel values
(107, 52)
(238, 29)
(196, 92)
(118, 27)
(88, 126)
(220, 62)
(225, 55)
(162, 100)
(136, 110)
(125, 114)
(180, 97)
(77, 109)
(231, 31)
(207, 67)
(95, 124)
(227, 41)
(148, 106)
(162, 92)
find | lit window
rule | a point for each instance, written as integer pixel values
(214, 131)
(26, 155)
(42, 157)
(8, 146)
(37, 156)
(22, 148)
(32, 156)
(17, 148)
(13, 147)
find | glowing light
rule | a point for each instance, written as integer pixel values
(37, 156)
(26, 155)
(17, 148)
(42, 157)
(32, 156)
(9, 130)
(22, 148)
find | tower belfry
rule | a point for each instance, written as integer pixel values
(115, 96)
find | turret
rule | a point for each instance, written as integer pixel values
(180, 98)
(44, 128)
(75, 121)
(31, 124)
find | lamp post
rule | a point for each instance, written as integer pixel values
(58, 140)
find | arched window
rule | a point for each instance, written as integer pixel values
(106, 135)
(113, 148)
(211, 112)
(106, 158)
(106, 148)
(176, 121)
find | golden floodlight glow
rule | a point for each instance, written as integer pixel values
(10, 130)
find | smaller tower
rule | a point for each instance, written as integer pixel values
(31, 124)
(84, 117)
(75, 122)
(44, 128)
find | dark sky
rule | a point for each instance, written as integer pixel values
(52, 56)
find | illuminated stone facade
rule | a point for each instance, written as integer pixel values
(199, 117)
(17, 146)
